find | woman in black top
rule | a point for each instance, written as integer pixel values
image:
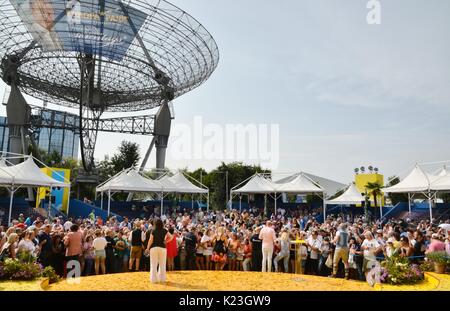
(158, 252)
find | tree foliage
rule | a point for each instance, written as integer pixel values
(128, 156)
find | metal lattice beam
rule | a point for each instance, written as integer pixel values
(137, 125)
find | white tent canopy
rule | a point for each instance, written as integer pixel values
(257, 184)
(131, 181)
(167, 185)
(329, 186)
(25, 174)
(443, 172)
(183, 185)
(351, 196)
(441, 184)
(28, 173)
(299, 185)
(417, 181)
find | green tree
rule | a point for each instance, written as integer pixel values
(105, 169)
(374, 190)
(127, 157)
(216, 180)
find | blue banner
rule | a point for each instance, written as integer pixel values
(101, 27)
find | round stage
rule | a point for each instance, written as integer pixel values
(236, 281)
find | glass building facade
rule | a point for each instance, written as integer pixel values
(53, 131)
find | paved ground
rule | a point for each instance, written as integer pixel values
(239, 281)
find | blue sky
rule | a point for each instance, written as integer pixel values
(343, 92)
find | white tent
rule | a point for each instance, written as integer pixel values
(28, 173)
(131, 181)
(351, 196)
(179, 183)
(257, 184)
(329, 186)
(417, 181)
(183, 185)
(299, 185)
(302, 184)
(441, 184)
(128, 181)
(443, 172)
(25, 174)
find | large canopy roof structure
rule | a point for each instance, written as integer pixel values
(141, 46)
(102, 56)
(351, 196)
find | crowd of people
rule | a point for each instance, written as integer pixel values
(343, 246)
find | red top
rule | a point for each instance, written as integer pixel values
(172, 249)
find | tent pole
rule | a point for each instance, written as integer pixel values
(409, 203)
(162, 203)
(109, 201)
(324, 209)
(265, 204)
(68, 203)
(207, 203)
(49, 203)
(101, 200)
(10, 205)
(275, 204)
(240, 203)
(431, 206)
(381, 210)
(192, 201)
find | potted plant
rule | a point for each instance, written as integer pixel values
(439, 260)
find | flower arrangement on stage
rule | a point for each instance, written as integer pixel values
(398, 270)
(25, 268)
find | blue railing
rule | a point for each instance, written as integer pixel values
(78, 208)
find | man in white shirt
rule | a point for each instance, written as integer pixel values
(314, 243)
(268, 237)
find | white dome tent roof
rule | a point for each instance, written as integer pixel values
(351, 196)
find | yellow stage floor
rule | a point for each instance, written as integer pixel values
(237, 281)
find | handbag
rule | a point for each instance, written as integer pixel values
(329, 262)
